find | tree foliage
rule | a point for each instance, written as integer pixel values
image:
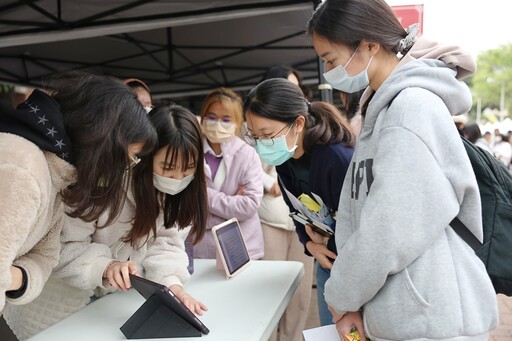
(494, 72)
(5, 88)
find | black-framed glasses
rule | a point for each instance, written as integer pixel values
(266, 141)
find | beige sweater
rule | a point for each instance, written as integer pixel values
(31, 212)
(86, 251)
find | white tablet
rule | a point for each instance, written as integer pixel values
(231, 247)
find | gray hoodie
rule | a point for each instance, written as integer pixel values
(398, 258)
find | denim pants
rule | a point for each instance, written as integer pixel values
(321, 277)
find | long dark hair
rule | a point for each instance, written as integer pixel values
(179, 130)
(348, 22)
(281, 100)
(102, 117)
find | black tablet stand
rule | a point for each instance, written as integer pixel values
(154, 319)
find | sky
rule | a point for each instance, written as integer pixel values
(473, 25)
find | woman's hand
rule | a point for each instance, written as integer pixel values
(191, 303)
(317, 246)
(16, 279)
(316, 237)
(117, 273)
(351, 320)
(322, 254)
(335, 315)
(240, 191)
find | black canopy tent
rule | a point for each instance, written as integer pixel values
(180, 48)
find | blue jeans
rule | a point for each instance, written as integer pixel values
(321, 277)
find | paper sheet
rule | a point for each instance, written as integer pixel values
(324, 333)
(322, 217)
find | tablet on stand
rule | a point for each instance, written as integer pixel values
(231, 248)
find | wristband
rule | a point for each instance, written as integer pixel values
(24, 281)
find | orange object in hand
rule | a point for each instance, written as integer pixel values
(353, 335)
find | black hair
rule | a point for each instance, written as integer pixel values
(472, 132)
(179, 130)
(348, 22)
(102, 118)
(281, 100)
(282, 71)
(350, 106)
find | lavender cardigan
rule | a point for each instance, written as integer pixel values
(243, 168)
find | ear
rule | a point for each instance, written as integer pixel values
(370, 46)
(300, 124)
(135, 148)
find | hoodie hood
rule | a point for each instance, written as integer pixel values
(429, 74)
(461, 62)
(39, 119)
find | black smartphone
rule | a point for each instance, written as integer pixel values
(306, 221)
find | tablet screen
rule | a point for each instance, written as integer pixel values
(233, 246)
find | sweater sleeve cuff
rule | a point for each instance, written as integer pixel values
(172, 280)
(97, 270)
(13, 294)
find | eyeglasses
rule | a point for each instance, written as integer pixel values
(134, 161)
(211, 120)
(252, 140)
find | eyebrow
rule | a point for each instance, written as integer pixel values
(220, 115)
(323, 55)
(264, 129)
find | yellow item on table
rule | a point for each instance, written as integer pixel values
(309, 202)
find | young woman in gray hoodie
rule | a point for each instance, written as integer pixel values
(402, 273)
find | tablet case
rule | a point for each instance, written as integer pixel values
(154, 319)
(162, 315)
(221, 255)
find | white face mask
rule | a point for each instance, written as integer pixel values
(339, 79)
(171, 186)
(218, 132)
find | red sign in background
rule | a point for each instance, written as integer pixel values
(409, 14)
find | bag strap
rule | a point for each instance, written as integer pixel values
(465, 234)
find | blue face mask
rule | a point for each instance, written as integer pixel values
(277, 153)
(339, 79)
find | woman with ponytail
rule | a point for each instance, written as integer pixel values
(402, 272)
(312, 145)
